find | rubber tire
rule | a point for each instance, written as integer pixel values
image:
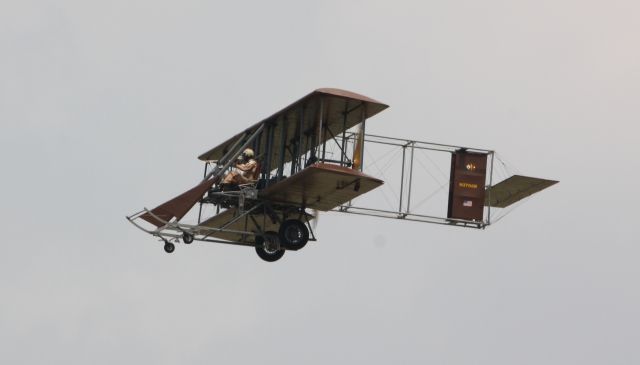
(169, 247)
(291, 228)
(268, 255)
(187, 238)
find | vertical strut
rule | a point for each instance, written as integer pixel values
(404, 152)
(490, 186)
(325, 128)
(410, 177)
(297, 140)
(320, 127)
(300, 134)
(270, 133)
(206, 164)
(344, 131)
(283, 142)
(363, 124)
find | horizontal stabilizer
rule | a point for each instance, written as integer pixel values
(178, 206)
(514, 189)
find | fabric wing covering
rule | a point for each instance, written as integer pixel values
(341, 109)
(322, 187)
(514, 189)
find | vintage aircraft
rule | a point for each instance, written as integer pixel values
(319, 142)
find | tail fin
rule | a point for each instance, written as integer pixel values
(178, 206)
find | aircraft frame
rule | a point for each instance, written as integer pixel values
(271, 213)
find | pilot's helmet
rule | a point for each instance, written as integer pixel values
(248, 153)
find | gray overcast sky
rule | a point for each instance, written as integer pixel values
(104, 107)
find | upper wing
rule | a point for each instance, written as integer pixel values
(341, 109)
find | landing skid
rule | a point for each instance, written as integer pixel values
(246, 222)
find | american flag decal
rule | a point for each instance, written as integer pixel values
(467, 203)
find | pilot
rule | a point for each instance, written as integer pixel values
(246, 169)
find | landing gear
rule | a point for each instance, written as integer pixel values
(187, 237)
(169, 247)
(268, 247)
(293, 234)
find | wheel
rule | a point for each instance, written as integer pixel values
(293, 234)
(187, 238)
(267, 247)
(169, 247)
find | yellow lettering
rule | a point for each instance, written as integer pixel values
(467, 185)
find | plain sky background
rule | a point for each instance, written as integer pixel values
(104, 107)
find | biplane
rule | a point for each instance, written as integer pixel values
(310, 158)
